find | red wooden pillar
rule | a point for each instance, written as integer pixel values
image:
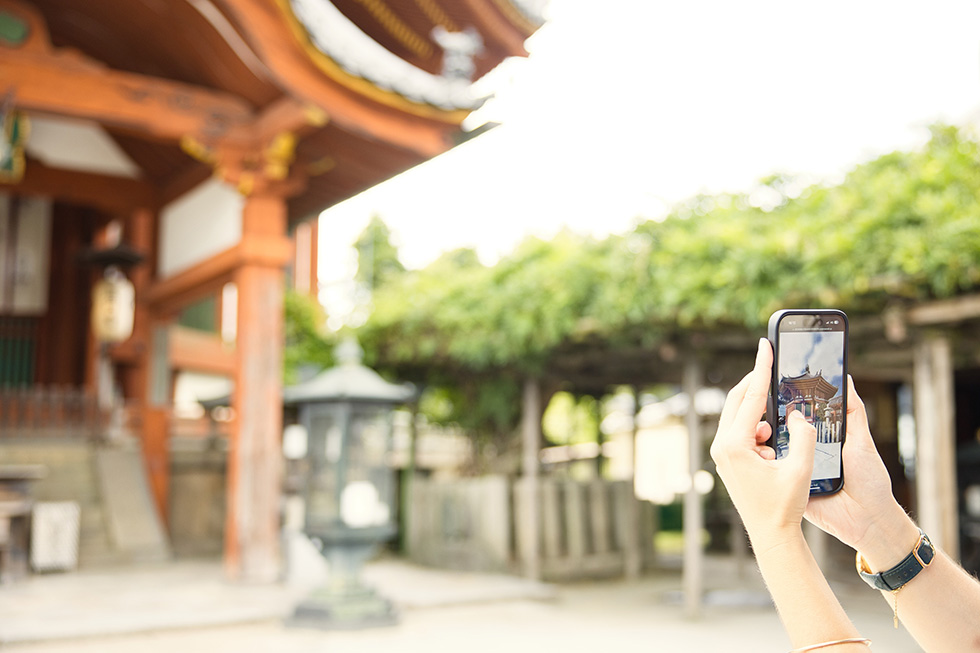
(92, 346)
(153, 418)
(314, 256)
(254, 461)
(305, 256)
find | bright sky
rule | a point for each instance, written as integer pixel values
(626, 107)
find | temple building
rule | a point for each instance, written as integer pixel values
(161, 170)
(817, 400)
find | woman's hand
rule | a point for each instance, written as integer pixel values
(770, 495)
(864, 514)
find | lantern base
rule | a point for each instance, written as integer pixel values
(345, 601)
(350, 608)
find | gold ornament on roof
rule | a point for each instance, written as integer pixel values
(14, 129)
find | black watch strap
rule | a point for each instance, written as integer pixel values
(921, 557)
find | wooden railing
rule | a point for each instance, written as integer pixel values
(53, 412)
(18, 349)
(584, 529)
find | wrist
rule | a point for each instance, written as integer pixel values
(769, 539)
(888, 539)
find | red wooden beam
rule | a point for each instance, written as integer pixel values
(116, 195)
(69, 85)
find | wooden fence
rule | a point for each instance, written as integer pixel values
(585, 529)
(461, 524)
(56, 412)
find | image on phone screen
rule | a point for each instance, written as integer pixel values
(811, 380)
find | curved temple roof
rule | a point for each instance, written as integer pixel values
(322, 90)
(340, 39)
(532, 9)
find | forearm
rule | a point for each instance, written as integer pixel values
(807, 607)
(941, 595)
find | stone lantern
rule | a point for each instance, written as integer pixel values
(347, 484)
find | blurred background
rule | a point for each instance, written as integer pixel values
(299, 292)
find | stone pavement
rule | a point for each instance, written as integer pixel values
(188, 607)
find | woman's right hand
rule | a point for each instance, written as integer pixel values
(864, 514)
(769, 494)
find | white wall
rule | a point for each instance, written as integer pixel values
(78, 145)
(198, 225)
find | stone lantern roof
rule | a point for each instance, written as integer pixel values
(350, 380)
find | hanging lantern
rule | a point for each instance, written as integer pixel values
(113, 307)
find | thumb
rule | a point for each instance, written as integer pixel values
(802, 442)
(858, 432)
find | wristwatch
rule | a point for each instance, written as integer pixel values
(921, 557)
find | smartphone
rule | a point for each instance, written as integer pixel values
(809, 374)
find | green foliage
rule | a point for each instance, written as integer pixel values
(904, 226)
(483, 318)
(901, 226)
(486, 406)
(307, 341)
(377, 257)
(570, 419)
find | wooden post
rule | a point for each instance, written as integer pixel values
(551, 527)
(600, 459)
(934, 406)
(693, 511)
(95, 351)
(408, 483)
(598, 512)
(314, 256)
(255, 456)
(154, 416)
(304, 262)
(632, 551)
(575, 521)
(531, 432)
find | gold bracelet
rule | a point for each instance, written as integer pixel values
(849, 640)
(895, 604)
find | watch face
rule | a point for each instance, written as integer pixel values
(925, 552)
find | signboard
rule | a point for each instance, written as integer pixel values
(25, 248)
(55, 529)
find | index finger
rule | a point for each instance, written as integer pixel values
(757, 391)
(732, 402)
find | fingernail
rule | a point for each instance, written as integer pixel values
(762, 345)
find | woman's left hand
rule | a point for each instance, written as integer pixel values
(770, 495)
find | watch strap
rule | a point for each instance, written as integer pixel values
(919, 558)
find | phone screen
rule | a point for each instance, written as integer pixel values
(810, 379)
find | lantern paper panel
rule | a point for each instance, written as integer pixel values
(325, 436)
(350, 482)
(368, 496)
